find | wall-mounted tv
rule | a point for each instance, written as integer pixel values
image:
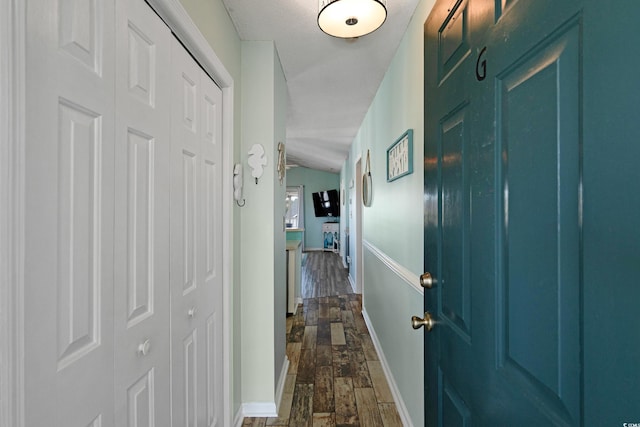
(326, 203)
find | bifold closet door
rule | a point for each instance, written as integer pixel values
(196, 233)
(143, 137)
(68, 223)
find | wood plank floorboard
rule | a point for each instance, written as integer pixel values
(335, 377)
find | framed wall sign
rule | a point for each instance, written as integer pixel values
(400, 157)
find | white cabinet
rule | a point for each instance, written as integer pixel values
(331, 236)
(294, 274)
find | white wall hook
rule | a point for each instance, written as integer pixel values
(257, 161)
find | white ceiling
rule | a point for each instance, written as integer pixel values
(331, 81)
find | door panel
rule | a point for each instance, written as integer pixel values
(211, 244)
(455, 412)
(503, 126)
(142, 218)
(184, 229)
(196, 255)
(455, 197)
(79, 225)
(68, 224)
(453, 39)
(538, 100)
(141, 403)
(447, 195)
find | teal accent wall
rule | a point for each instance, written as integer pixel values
(313, 181)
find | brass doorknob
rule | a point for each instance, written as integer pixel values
(428, 322)
(427, 280)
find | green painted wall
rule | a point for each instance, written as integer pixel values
(279, 243)
(262, 236)
(313, 181)
(393, 225)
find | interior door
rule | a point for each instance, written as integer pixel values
(196, 242)
(513, 112)
(68, 252)
(143, 136)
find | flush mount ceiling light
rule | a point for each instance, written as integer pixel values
(351, 18)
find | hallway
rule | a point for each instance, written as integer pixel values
(335, 377)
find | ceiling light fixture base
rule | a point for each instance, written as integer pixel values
(351, 18)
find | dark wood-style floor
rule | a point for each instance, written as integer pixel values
(335, 377)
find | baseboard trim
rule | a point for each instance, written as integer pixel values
(351, 282)
(264, 409)
(259, 410)
(238, 419)
(397, 397)
(281, 381)
(313, 249)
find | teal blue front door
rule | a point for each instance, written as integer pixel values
(532, 213)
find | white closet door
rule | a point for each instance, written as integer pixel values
(143, 131)
(211, 250)
(196, 233)
(68, 263)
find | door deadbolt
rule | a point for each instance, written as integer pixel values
(427, 280)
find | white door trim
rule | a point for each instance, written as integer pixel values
(12, 139)
(357, 167)
(179, 21)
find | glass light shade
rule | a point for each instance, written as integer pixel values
(351, 18)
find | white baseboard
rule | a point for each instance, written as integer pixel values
(281, 380)
(264, 409)
(397, 397)
(313, 249)
(238, 419)
(353, 285)
(259, 410)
